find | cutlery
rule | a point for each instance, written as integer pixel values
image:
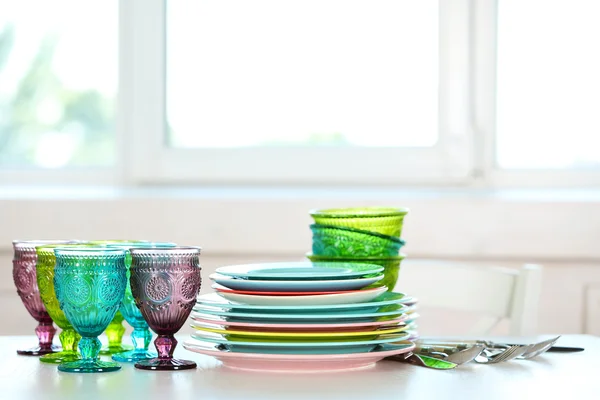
(493, 356)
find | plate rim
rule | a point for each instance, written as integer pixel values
(338, 344)
(400, 319)
(374, 269)
(301, 316)
(303, 307)
(308, 335)
(305, 357)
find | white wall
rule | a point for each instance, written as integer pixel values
(483, 228)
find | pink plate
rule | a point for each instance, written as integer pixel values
(296, 362)
(254, 326)
(220, 288)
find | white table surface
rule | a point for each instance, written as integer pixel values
(552, 375)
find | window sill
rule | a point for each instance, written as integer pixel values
(528, 225)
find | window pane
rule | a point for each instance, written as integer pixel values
(298, 72)
(548, 84)
(58, 78)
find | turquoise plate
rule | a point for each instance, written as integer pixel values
(302, 270)
(395, 310)
(387, 298)
(332, 347)
(294, 286)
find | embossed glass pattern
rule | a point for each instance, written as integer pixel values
(89, 284)
(384, 220)
(115, 330)
(349, 242)
(69, 338)
(141, 335)
(25, 278)
(391, 266)
(164, 284)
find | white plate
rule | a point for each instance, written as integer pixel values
(293, 286)
(317, 300)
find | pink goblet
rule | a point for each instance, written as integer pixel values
(25, 278)
(165, 283)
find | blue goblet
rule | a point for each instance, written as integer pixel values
(89, 284)
(141, 335)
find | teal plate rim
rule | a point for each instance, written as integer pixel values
(300, 270)
(383, 299)
(300, 316)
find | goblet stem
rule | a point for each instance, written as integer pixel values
(114, 333)
(141, 338)
(89, 347)
(165, 345)
(69, 340)
(45, 332)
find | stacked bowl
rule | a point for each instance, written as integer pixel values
(368, 235)
(300, 316)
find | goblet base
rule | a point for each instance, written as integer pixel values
(133, 356)
(110, 350)
(170, 364)
(60, 357)
(38, 351)
(87, 366)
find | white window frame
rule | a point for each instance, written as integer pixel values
(484, 66)
(151, 161)
(464, 156)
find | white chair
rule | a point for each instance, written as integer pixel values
(496, 293)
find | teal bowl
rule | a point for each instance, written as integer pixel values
(335, 241)
(391, 267)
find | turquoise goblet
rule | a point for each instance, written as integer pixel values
(141, 335)
(89, 284)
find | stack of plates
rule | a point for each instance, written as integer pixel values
(301, 317)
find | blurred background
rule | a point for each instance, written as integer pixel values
(221, 124)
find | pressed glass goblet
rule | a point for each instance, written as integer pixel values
(165, 283)
(90, 284)
(141, 334)
(115, 330)
(25, 278)
(46, 263)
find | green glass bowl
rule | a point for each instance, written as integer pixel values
(348, 242)
(391, 267)
(384, 220)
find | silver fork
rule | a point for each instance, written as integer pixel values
(538, 349)
(511, 352)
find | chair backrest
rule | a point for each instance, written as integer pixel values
(496, 293)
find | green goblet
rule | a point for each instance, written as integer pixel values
(69, 338)
(115, 330)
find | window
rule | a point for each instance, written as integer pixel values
(303, 91)
(548, 84)
(58, 82)
(302, 72)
